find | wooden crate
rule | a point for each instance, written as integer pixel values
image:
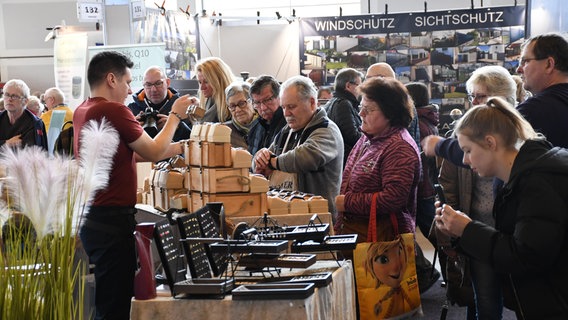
(219, 180)
(235, 204)
(171, 179)
(208, 154)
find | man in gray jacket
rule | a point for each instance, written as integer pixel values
(309, 146)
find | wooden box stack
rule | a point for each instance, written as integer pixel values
(167, 185)
(212, 171)
(286, 202)
(218, 173)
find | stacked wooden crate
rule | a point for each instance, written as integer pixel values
(166, 185)
(218, 173)
(294, 202)
(212, 171)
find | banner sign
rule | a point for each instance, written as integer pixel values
(70, 64)
(414, 22)
(440, 49)
(142, 55)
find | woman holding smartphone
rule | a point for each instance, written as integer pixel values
(528, 245)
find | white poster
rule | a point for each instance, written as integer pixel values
(143, 55)
(70, 63)
(179, 32)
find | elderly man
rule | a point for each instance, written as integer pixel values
(265, 92)
(343, 109)
(380, 69)
(18, 126)
(55, 100)
(155, 101)
(309, 146)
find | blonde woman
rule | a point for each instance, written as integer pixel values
(214, 76)
(528, 246)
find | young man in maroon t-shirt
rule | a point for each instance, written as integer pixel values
(107, 232)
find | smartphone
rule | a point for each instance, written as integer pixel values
(440, 192)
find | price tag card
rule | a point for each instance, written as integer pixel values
(89, 11)
(137, 10)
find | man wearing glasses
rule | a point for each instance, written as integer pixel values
(543, 66)
(154, 102)
(264, 93)
(308, 150)
(18, 126)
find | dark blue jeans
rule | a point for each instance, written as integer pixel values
(109, 242)
(487, 289)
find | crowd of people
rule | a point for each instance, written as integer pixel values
(503, 170)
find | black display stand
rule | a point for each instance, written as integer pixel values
(195, 252)
(168, 248)
(210, 229)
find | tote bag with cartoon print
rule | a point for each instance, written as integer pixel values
(385, 272)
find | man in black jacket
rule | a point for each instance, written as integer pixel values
(18, 126)
(343, 109)
(153, 103)
(265, 92)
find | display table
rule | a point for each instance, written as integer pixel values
(335, 301)
(287, 220)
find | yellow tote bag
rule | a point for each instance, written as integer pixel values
(385, 273)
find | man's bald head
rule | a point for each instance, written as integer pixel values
(380, 69)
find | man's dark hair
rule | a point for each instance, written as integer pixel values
(551, 45)
(419, 93)
(107, 62)
(345, 76)
(264, 81)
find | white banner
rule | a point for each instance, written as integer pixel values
(70, 64)
(143, 55)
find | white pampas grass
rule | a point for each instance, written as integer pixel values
(37, 185)
(99, 143)
(48, 190)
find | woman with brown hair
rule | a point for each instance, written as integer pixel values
(384, 160)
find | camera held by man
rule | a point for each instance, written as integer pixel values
(149, 121)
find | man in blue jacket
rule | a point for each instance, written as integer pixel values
(153, 103)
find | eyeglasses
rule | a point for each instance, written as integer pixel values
(12, 96)
(366, 110)
(265, 102)
(241, 104)
(524, 61)
(157, 84)
(479, 97)
(355, 83)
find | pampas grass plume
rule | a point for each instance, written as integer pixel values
(45, 189)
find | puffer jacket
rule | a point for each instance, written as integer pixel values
(529, 244)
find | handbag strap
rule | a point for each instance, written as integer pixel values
(372, 231)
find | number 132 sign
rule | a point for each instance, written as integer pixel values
(89, 11)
